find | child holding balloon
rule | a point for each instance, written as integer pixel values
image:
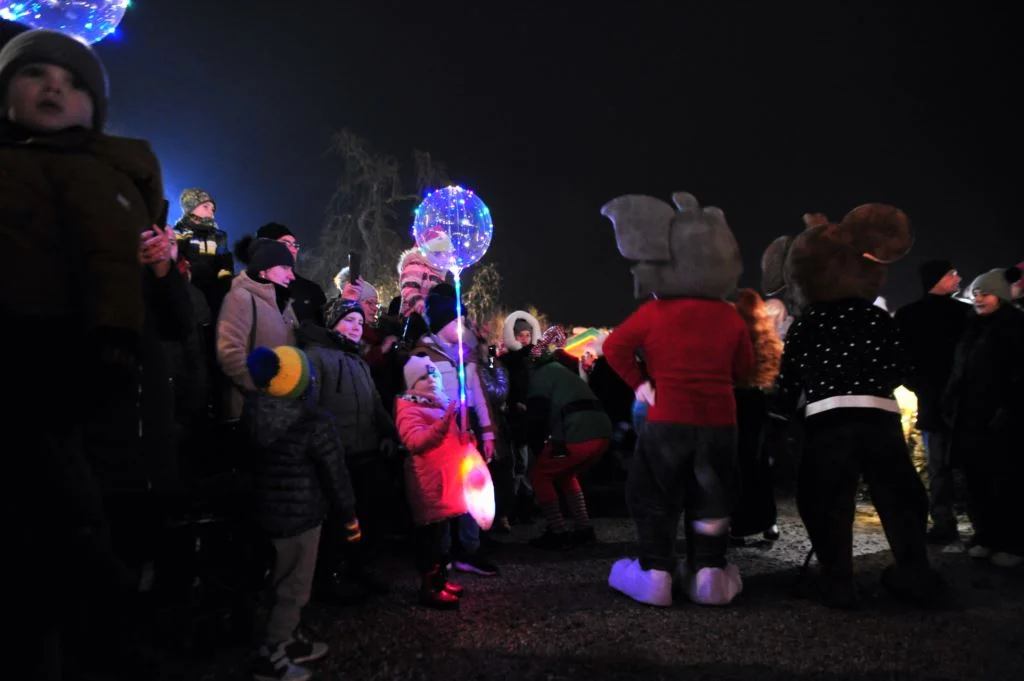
(426, 422)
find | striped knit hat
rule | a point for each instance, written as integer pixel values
(281, 372)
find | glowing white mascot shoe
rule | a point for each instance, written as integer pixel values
(652, 587)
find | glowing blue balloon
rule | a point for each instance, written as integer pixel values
(88, 20)
(453, 228)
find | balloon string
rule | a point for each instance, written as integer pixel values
(462, 356)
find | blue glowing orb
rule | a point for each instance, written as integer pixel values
(88, 20)
(453, 228)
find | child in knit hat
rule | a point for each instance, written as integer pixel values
(69, 193)
(427, 426)
(204, 245)
(74, 203)
(441, 345)
(299, 476)
(346, 389)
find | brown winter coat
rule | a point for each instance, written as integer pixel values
(235, 331)
(72, 207)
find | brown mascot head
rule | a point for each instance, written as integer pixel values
(835, 261)
(681, 252)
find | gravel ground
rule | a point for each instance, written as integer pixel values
(552, 617)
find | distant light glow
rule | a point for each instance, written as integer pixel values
(88, 20)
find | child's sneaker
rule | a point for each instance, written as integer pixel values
(301, 649)
(273, 664)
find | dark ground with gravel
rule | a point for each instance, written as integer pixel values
(552, 617)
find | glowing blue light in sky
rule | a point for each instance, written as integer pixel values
(88, 20)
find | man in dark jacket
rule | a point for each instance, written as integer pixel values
(930, 329)
(307, 297)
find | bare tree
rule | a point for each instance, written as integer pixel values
(541, 318)
(365, 214)
(482, 295)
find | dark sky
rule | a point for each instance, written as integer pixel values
(549, 109)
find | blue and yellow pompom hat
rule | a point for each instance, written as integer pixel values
(281, 372)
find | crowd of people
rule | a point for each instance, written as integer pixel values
(172, 373)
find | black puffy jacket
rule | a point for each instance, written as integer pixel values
(344, 387)
(299, 464)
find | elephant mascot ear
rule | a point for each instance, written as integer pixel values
(688, 252)
(642, 226)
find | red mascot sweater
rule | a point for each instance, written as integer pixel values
(695, 351)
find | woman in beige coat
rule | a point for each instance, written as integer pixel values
(256, 312)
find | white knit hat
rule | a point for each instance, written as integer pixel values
(419, 366)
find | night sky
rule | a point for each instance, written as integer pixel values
(549, 109)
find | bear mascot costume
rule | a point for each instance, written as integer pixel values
(842, 362)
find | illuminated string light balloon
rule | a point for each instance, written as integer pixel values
(453, 230)
(88, 20)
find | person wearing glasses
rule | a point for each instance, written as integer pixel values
(308, 298)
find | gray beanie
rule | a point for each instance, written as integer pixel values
(53, 47)
(996, 282)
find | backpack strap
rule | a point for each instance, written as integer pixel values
(252, 329)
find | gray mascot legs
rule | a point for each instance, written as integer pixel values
(681, 469)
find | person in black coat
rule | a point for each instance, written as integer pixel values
(205, 245)
(308, 298)
(984, 404)
(299, 476)
(930, 329)
(519, 333)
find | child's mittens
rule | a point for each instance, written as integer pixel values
(352, 531)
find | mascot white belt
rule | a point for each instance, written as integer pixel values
(684, 466)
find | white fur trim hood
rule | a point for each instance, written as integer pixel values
(509, 334)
